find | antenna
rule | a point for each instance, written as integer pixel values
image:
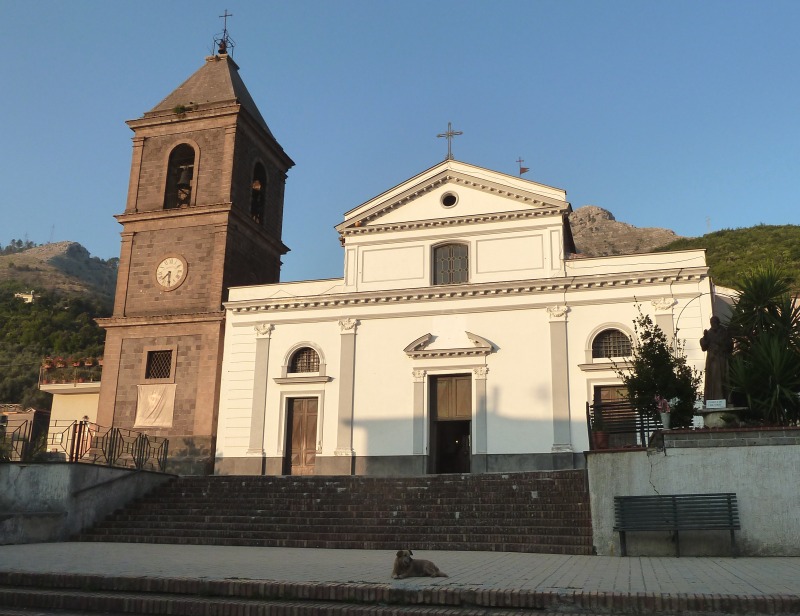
(224, 42)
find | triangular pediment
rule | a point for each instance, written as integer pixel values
(456, 191)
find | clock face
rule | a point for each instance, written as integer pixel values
(171, 272)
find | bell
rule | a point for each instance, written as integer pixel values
(185, 179)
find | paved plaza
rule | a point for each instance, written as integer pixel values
(476, 570)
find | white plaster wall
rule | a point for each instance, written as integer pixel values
(764, 479)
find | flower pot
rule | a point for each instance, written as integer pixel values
(600, 439)
(665, 420)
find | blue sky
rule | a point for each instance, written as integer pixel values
(678, 114)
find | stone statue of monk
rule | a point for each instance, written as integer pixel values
(718, 345)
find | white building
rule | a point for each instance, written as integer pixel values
(466, 335)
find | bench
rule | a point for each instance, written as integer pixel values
(676, 512)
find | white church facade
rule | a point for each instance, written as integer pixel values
(466, 335)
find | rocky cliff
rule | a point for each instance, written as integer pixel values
(597, 234)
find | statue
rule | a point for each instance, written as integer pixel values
(718, 345)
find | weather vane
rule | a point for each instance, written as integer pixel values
(224, 43)
(449, 136)
(522, 169)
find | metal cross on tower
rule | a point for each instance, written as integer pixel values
(449, 136)
(225, 42)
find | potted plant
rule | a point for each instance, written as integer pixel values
(599, 435)
(663, 407)
(59, 362)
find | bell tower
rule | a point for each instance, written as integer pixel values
(204, 212)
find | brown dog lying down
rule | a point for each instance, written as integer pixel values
(405, 566)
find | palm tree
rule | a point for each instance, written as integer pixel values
(765, 325)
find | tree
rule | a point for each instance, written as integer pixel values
(659, 370)
(765, 325)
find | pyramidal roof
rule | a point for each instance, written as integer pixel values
(216, 82)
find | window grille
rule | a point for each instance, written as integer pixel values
(304, 360)
(611, 343)
(451, 264)
(159, 365)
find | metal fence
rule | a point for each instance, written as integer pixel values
(86, 442)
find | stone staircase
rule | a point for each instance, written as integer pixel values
(542, 512)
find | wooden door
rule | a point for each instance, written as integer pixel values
(451, 414)
(452, 400)
(301, 436)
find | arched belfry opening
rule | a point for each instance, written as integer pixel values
(180, 177)
(258, 190)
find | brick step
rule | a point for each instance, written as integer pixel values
(303, 506)
(575, 549)
(246, 522)
(544, 535)
(192, 597)
(520, 503)
(367, 525)
(500, 535)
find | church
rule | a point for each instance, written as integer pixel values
(465, 335)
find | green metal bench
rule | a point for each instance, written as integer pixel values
(676, 512)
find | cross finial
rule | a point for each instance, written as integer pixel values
(225, 42)
(449, 136)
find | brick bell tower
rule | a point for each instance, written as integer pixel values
(204, 213)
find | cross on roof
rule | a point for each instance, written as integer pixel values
(449, 136)
(225, 41)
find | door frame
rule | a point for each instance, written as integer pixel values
(432, 434)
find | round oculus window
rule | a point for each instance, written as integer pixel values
(449, 199)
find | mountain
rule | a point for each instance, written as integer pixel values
(598, 234)
(61, 267)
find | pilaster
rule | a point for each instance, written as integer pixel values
(263, 332)
(559, 361)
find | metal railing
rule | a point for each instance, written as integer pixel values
(87, 442)
(15, 440)
(617, 425)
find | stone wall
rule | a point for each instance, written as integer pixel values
(52, 502)
(759, 465)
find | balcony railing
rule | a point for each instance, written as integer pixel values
(85, 442)
(69, 374)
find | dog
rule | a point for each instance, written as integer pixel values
(405, 566)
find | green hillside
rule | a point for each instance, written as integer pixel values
(53, 325)
(731, 252)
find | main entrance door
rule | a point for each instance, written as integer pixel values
(301, 435)
(451, 420)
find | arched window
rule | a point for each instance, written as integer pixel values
(180, 174)
(450, 264)
(611, 343)
(304, 360)
(258, 190)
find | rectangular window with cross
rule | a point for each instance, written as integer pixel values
(159, 364)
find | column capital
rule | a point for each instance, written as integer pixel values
(480, 372)
(558, 313)
(663, 304)
(419, 375)
(263, 330)
(348, 325)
